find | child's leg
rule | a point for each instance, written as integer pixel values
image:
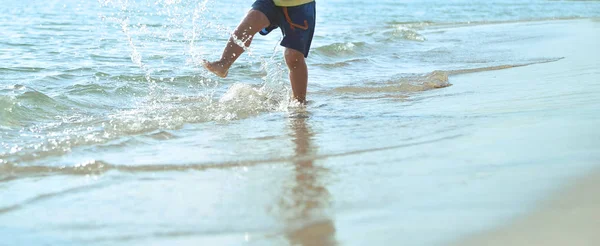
(298, 73)
(250, 25)
(298, 26)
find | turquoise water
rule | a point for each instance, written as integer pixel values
(112, 133)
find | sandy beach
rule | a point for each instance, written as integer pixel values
(476, 123)
(571, 216)
(569, 213)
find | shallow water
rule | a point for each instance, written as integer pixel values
(112, 133)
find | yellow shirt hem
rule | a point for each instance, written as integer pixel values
(291, 3)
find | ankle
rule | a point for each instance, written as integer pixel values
(223, 63)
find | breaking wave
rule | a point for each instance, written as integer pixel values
(20, 105)
(238, 102)
(341, 49)
(423, 82)
(402, 83)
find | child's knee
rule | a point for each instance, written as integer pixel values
(293, 58)
(252, 23)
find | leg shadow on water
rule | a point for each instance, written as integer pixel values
(305, 200)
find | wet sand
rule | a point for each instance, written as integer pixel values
(570, 217)
(569, 212)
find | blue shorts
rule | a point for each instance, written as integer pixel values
(297, 23)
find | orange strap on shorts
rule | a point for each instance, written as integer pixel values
(292, 24)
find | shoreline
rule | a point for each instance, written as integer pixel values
(568, 212)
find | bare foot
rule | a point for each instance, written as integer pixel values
(301, 100)
(216, 67)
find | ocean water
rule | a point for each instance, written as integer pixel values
(112, 133)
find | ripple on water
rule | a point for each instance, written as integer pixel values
(22, 69)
